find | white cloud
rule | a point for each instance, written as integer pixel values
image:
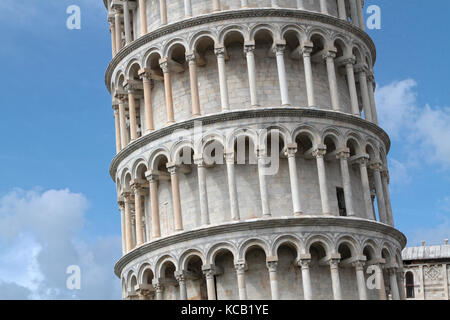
(398, 173)
(423, 131)
(38, 241)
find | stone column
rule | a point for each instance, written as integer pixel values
(352, 85)
(153, 182)
(195, 98)
(343, 156)
(376, 167)
(250, 55)
(380, 277)
(342, 10)
(332, 80)
(220, 53)
(401, 284)
(306, 53)
(323, 7)
(163, 11)
(300, 4)
(181, 278)
(168, 90)
(364, 92)
(132, 111)
(279, 51)
(187, 8)
(126, 21)
(210, 284)
(203, 192)
(393, 283)
(240, 272)
(139, 214)
(143, 16)
(445, 273)
(354, 13)
(159, 291)
(319, 154)
(216, 5)
(303, 262)
(262, 163)
(244, 4)
(291, 151)
(232, 190)
(362, 162)
(117, 128)
(118, 29)
(387, 197)
(272, 267)
(274, 3)
(123, 122)
(360, 15)
(336, 283)
(128, 223)
(145, 75)
(178, 219)
(371, 88)
(112, 29)
(361, 281)
(123, 227)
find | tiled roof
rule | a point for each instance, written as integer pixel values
(426, 252)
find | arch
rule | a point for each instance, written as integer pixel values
(282, 131)
(409, 284)
(334, 134)
(264, 27)
(296, 29)
(160, 265)
(225, 32)
(342, 46)
(309, 131)
(155, 157)
(386, 253)
(353, 142)
(180, 146)
(291, 240)
(137, 165)
(319, 239)
(244, 247)
(217, 248)
(350, 242)
(196, 38)
(169, 46)
(143, 273)
(151, 58)
(370, 250)
(132, 68)
(251, 134)
(187, 255)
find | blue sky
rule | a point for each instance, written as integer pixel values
(57, 134)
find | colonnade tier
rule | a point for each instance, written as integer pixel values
(199, 71)
(169, 182)
(129, 19)
(270, 259)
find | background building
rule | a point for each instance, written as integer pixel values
(285, 84)
(427, 272)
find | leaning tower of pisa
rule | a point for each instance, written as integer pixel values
(250, 163)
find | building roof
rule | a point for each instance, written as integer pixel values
(426, 252)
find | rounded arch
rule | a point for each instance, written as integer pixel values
(151, 58)
(201, 36)
(173, 43)
(323, 240)
(210, 137)
(335, 135)
(251, 134)
(251, 243)
(370, 250)
(353, 141)
(342, 46)
(145, 270)
(219, 247)
(180, 146)
(139, 165)
(225, 32)
(351, 243)
(161, 264)
(308, 132)
(155, 157)
(280, 129)
(264, 28)
(299, 31)
(187, 255)
(132, 68)
(290, 240)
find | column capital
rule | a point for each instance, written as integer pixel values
(164, 64)
(304, 260)
(172, 167)
(334, 260)
(241, 267)
(210, 270)
(180, 276)
(151, 176)
(191, 57)
(320, 151)
(330, 53)
(145, 74)
(219, 51)
(376, 166)
(307, 48)
(249, 48)
(361, 159)
(291, 149)
(138, 188)
(199, 161)
(126, 195)
(362, 69)
(121, 204)
(279, 48)
(349, 61)
(343, 153)
(272, 264)
(359, 265)
(229, 157)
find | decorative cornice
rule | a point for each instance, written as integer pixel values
(331, 221)
(247, 114)
(235, 14)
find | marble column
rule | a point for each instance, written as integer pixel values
(203, 192)
(352, 85)
(301, 4)
(291, 151)
(250, 56)
(380, 281)
(112, 29)
(127, 21)
(154, 201)
(371, 88)
(376, 168)
(187, 8)
(393, 282)
(364, 92)
(210, 284)
(139, 214)
(244, 4)
(117, 128)
(342, 10)
(319, 154)
(123, 227)
(360, 279)
(360, 15)
(118, 29)
(262, 164)
(123, 122)
(323, 7)
(354, 13)
(181, 278)
(145, 75)
(304, 262)
(132, 111)
(343, 156)
(232, 190)
(143, 16)
(274, 4)
(306, 53)
(178, 219)
(163, 11)
(168, 90)
(335, 281)
(240, 272)
(224, 99)
(159, 289)
(279, 52)
(401, 284)
(193, 77)
(272, 267)
(387, 197)
(216, 5)
(332, 80)
(362, 163)
(128, 223)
